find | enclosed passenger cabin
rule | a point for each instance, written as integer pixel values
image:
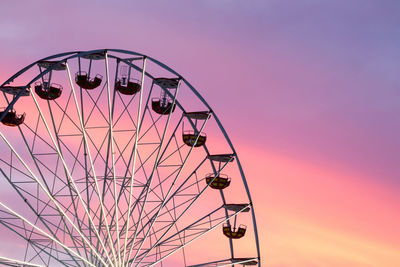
(125, 83)
(125, 87)
(84, 81)
(241, 231)
(83, 78)
(220, 182)
(48, 91)
(44, 88)
(191, 137)
(11, 118)
(164, 104)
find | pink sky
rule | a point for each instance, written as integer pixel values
(307, 90)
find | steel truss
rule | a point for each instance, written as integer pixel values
(102, 180)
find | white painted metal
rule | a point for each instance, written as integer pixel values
(80, 221)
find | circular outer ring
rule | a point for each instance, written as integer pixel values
(94, 54)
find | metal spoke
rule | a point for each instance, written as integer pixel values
(50, 196)
(154, 168)
(190, 204)
(93, 169)
(69, 187)
(41, 217)
(14, 262)
(170, 189)
(226, 262)
(135, 148)
(142, 166)
(35, 160)
(111, 145)
(133, 213)
(200, 235)
(42, 232)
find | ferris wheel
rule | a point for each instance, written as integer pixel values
(111, 158)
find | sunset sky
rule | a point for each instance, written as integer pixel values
(308, 91)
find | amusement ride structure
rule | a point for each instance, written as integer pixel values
(105, 161)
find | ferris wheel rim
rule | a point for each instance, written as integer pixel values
(75, 54)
